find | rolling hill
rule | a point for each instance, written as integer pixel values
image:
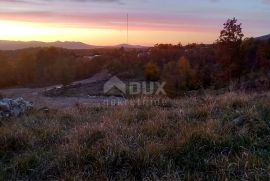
(264, 38)
(15, 45)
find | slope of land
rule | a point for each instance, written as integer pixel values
(264, 38)
(223, 137)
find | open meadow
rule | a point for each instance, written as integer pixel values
(203, 137)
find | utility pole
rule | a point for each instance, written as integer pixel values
(127, 28)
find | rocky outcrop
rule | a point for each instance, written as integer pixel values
(14, 107)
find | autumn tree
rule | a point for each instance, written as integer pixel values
(232, 33)
(229, 44)
(64, 70)
(152, 72)
(179, 76)
(26, 69)
(170, 76)
(249, 49)
(55, 65)
(7, 75)
(263, 57)
(186, 74)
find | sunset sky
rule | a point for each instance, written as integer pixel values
(103, 22)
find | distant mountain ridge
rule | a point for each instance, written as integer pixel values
(16, 45)
(264, 38)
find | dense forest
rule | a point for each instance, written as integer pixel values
(230, 60)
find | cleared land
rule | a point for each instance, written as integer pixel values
(80, 92)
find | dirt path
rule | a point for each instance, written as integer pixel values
(36, 95)
(39, 100)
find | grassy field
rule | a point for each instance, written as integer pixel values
(207, 137)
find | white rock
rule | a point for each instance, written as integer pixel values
(14, 108)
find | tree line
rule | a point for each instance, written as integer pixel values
(230, 59)
(45, 66)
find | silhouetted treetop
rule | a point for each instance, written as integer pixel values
(232, 32)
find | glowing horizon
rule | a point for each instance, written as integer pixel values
(103, 22)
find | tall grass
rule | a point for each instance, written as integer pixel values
(206, 137)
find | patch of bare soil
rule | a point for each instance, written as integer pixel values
(76, 94)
